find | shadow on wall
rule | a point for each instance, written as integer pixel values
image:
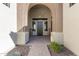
(26, 29)
(13, 36)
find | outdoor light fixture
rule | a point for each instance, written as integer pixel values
(7, 4)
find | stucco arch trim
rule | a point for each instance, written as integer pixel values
(35, 4)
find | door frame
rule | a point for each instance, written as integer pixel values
(38, 19)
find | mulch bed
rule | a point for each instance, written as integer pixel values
(19, 50)
(64, 52)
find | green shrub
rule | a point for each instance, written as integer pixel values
(55, 47)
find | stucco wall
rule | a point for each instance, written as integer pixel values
(40, 11)
(56, 10)
(22, 38)
(22, 23)
(71, 27)
(57, 37)
(22, 16)
(7, 25)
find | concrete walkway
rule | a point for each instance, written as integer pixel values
(39, 46)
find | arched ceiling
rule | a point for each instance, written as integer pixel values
(51, 6)
(37, 6)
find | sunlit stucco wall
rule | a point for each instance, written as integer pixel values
(8, 24)
(71, 27)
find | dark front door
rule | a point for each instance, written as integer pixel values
(39, 28)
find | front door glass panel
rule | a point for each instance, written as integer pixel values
(39, 28)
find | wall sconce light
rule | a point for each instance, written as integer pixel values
(7, 4)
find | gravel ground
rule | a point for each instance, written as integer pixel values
(19, 51)
(65, 52)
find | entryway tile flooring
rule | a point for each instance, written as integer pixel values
(38, 46)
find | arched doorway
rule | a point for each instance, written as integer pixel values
(39, 20)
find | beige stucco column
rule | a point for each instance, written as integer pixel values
(57, 18)
(57, 24)
(22, 23)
